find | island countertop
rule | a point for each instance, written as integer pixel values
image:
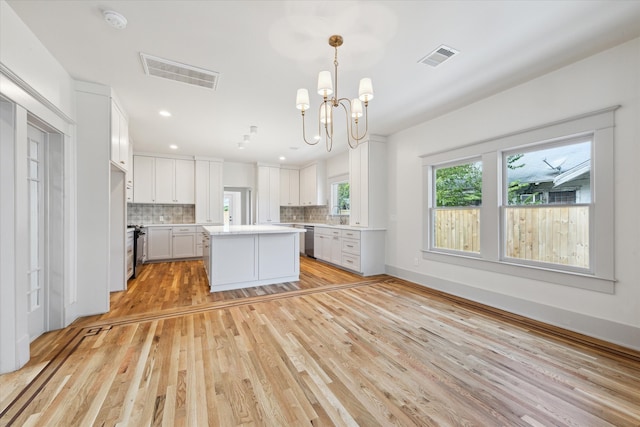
(225, 230)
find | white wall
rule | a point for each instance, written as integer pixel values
(338, 164)
(607, 79)
(39, 85)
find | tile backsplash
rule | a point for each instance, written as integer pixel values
(311, 214)
(140, 213)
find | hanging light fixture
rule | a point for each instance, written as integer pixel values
(352, 108)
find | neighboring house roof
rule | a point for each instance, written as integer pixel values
(556, 164)
(573, 173)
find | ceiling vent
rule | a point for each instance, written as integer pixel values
(166, 69)
(438, 56)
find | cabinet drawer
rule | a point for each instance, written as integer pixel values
(351, 246)
(186, 229)
(351, 234)
(351, 262)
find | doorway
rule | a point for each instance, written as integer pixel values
(237, 206)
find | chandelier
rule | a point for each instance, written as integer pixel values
(352, 108)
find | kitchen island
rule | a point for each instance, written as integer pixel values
(244, 256)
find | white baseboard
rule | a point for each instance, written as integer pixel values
(606, 330)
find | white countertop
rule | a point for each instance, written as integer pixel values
(224, 230)
(338, 226)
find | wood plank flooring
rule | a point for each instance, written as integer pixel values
(331, 349)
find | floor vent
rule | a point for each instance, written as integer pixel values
(166, 69)
(438, 56)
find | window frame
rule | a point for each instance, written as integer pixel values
(601, 277)
(433, 207)
(335, 180)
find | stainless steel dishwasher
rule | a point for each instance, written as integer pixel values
(308, 240)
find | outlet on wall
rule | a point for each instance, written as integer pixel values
(416, 261)
(161, 218)
(294, 217)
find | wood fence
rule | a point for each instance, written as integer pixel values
(557, 235)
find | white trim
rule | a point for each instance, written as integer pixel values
(600, 124)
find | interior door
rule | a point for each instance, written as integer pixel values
(36, 295)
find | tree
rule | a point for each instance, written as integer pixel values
(459, 185)
(343, 197)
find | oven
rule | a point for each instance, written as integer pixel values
(139, 239)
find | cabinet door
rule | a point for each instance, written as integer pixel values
(268, 195)
(115, 133)
(285, 199)
(336, 250)
(124, 141)
(159, 241)
(143, 179)
(184, 182)
(358, 185)
(202, 192)
(184, 245)
(274, 194)
(216, 193)
(164, 180)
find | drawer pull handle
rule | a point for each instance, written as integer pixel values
(349, 246)
(349, 261)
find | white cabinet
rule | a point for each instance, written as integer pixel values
(361, 251)
(171, 242)
(129, 176)
(160, 243)
(268, 194)
(368, 184)
(143, 179)
(119, 137)
(163, 180)
(209, 192)
(184, 242)
(328, 244)
(313, 185)
(174, 181)
(289, 187)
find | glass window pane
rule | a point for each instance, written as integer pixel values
(340, 199)
(549, 234)
(459, 185)
(554, 175)
(33, 149)
(33, 169)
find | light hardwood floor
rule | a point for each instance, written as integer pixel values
(331, 349)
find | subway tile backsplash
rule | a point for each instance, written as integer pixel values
(140, 213)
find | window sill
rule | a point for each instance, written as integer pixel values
(566, 278)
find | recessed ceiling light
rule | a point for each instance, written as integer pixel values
(164, 113)
(241, 146)
(283, 158)
(115, 19)
(173, 146)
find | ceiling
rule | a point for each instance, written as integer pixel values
(266, 50)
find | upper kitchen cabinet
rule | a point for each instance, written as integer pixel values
(119, 137)
(289, 187)
(268, 195)
(368, 184)
(313, 181)
(163, 180)
(209, 192)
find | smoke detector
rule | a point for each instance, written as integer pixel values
(115, 19)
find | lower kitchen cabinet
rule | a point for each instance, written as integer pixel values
(171, 242)
(361, 251)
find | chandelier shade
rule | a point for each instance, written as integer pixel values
(353, 108)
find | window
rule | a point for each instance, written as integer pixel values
(543, 221)
(340, 202)
(524, 204)
(456, 216)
